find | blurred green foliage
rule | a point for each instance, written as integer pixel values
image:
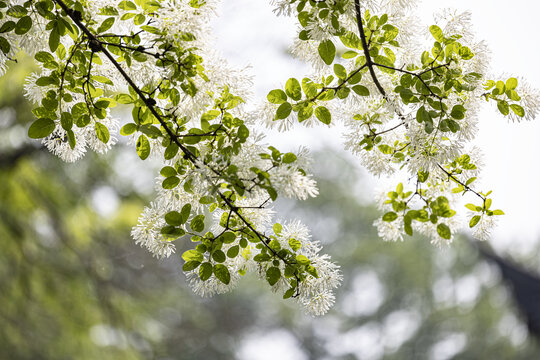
(74, 286)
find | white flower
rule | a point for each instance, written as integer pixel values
(482, 230)
(147, 232)
(319, 303)
(283, 7)
(96, 144)
(3, 65)
(530, 101)
(289, 182)
(257, 209)
(58, 144)
(33, 92)
(390, 230)
(428, 151)
(206, 288)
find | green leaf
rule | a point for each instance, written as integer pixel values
(312, 271)
(458, 112)
(139, 19)
(170, 151)
(61, 52)
(173, 232)
(197, 223)
(349, 54)
(422, 115)
(503, 107)
(293, 89)
(261, 257)
(466, 53)
(302, 260)
(309, 87)
(474, 220)
(228, 237)
(471, 180)
(273, 274)
(174, 218)
(277, 96)
(41, 128)
(295, 244)
(102, 132)
(351, 40)
(185, 212)
(283, 111)
(106, 25)
(143, 147)
(191, 265)
(127, 5)
(167, 171)
(44, 57)
(518, 110)
(340, 71)
(408, 228)
(222, 273)
(305, 112)
(5, 46)
(45, 81)
(390, 216)
(361, 90)
(453, 125)
(66, 120)
(23, 25)
(233, 251)
(444, 231)
(327, 51)
(289, 158)
(170, 182)
(289, 293)
(498, 212)
(437, 33)
(124, 99)
(511, 83)
(423, 176)
(355, 79)
(192, 255)
(54, 39)
(219, 256)
(323, 114)
(243, 132)
(128, 129)
(7, 26)
(102, 79)
(207, 199)
(391, 32)
(205, 271)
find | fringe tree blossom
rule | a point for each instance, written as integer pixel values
(408, 98)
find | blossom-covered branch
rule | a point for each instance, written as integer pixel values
(187, 108)
(415, 111)
(408, 106)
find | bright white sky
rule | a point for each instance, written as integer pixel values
(248, 33)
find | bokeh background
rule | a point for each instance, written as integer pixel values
(74, 286)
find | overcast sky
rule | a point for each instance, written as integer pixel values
(248, 33)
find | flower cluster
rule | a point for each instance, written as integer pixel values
(409, 99)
